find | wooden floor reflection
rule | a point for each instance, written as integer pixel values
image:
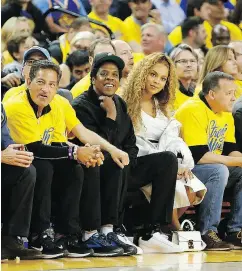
(197, 259)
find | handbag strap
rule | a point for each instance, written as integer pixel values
(189, 222)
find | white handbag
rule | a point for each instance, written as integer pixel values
(188, 240)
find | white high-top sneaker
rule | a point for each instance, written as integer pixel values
(159, 243)
(127, 240)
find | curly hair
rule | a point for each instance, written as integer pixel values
(135, 86)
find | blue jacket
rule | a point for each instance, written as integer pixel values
(5, 135)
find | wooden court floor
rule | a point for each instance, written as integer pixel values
(196, 261)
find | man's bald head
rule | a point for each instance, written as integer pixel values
(124, 51)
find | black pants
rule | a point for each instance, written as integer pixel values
(66, 188)
(103, 191)
(17, 199)
(160, 169)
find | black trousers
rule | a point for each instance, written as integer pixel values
(160, 169)
(17, 199)
(102, 196)
(67, 177)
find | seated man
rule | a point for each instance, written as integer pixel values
(208, 129)
(35, 118)
(105, 113)
(237, 113)
(18, 181)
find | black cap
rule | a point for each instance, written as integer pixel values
(102, 58)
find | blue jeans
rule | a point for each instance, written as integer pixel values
(216, 177)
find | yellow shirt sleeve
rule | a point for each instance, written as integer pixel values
(81, 86)
(230, 134)
(175, 37)
(12, 92)
(69, 113)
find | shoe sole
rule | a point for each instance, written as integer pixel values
(148, 250)
(76, 255)
(236, 248)
(107, 255)
(48, 256)
(218, 249)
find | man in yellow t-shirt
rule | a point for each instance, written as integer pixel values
(214, 14)
(100, 12)
(141, 14)
(208, 129)
(60, 51)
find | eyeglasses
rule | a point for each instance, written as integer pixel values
(30, 62)
(186, 61)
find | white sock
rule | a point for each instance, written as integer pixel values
(106, 229)
(88, 234)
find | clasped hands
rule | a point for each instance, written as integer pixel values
(90, 155)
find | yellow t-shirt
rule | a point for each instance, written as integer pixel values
(114, 23)
(65, 47)
(134, 30)
(180, 99)
(7, 58)
(175, 37)
(26, 128)
(69, 114)
(201, 126)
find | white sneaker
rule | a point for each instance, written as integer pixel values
(159, 243)
(122, 237)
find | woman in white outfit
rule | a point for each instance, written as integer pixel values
(150, 94)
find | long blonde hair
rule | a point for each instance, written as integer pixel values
(9, 29)
(135, 86)
(215, 58)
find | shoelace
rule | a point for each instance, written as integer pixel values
(117, 240)
(48, 239)
(214, 237)
(102, 239)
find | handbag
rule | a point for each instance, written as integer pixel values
(188, 240)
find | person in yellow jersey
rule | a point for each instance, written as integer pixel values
(208, 129)
(213, 12)
(59, 51)
(142, 13)
(36, 120)
(100, 12)
(186, 63)
(221, 58)
(120, 48)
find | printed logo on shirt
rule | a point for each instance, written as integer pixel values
(48, 134)
(216, 136)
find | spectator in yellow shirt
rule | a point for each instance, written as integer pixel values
(215, 15)
(59, 51)
(220, 58)
(142, 13)
(100, 12)
(186, 63)
(153, 38)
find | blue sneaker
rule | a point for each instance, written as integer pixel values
(102, 248)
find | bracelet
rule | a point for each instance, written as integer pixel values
(70, 153)
(74, 153)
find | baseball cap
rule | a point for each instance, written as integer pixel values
(36, 49)
(101, 58)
